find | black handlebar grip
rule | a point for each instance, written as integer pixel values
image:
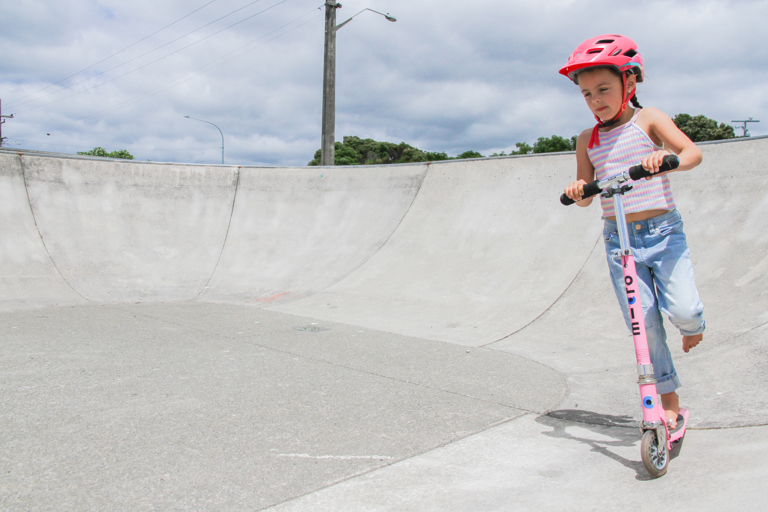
(669, 163)
(590, 189)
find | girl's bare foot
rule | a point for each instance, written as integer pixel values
(671, 404)
(691, 341)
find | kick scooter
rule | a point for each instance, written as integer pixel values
(656, 444)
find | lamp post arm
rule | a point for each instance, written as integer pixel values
(389, 18)
(222, 134)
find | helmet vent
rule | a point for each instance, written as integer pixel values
(596, 50)
(616, 52)
(604, 41)
(630, 53)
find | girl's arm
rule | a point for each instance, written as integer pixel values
(585, 171)
(661, 128)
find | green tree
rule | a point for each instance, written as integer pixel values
(356, 151)
(436, 157)
(523, 148)
(346, 155)
(409, 154)
(99, 151)
(470, 154)
(121, 153)
(700, 128)
(554, 144)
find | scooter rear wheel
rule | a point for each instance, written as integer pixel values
(655, 457)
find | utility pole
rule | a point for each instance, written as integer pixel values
(2, 121)
(744, 127)
(328, 146)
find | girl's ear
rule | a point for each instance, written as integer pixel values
(631, 82)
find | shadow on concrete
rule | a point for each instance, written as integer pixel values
(603, 433)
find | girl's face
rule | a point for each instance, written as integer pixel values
(603, 91)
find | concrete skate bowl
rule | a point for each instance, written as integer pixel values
(145, 305)
(476, 252)
(441, 251)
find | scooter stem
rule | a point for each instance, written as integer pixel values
(652, 413)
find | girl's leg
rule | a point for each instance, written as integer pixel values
(669, 257)
(670, 402)
(661, 358)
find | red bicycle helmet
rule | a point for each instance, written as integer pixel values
(611, 51)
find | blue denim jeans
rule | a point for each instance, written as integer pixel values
(665, 273)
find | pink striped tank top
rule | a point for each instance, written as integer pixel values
(620, 148)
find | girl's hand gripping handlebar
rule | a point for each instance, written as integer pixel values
(635, 173)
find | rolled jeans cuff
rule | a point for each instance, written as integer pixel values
(667, 384)
(697, 331)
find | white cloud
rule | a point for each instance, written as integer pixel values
(448, 76)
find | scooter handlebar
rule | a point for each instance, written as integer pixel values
(669, 163)
(590, 189)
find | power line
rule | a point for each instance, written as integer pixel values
(147, 53)
(80, 146)
(129, 147)
(114, 54)
(202, 70)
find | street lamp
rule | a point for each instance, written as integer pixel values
(328, 148)
(389, 18)
(222, 135)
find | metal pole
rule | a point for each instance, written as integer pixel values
(222, 135)
(744, 127)
(2, 121)
(328, 145)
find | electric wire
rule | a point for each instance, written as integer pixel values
(109, 57)
(149, 63)
(197, 72)
(80, 147)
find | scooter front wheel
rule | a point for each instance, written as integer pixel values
(655, 457)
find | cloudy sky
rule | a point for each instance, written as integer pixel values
(449, 75)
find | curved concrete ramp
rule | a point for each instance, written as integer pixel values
(467, 252)
(443, 254)
(295, 232)
(108, 231)
(485, 249)
(126, 232)
(28, 278)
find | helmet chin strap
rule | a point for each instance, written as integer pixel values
(594, 140)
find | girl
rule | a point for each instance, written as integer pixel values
(607, 69)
